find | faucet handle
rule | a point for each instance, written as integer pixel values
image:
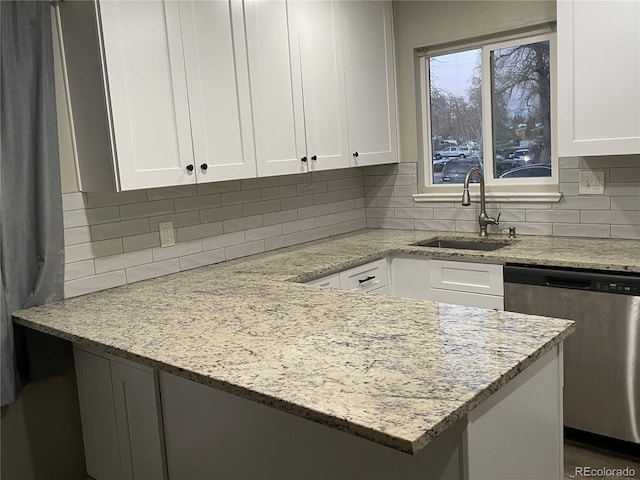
(498, 218)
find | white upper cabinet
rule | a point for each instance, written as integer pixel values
(367, 28)
(598, 77)
(159, 92)
(297, 86)
(218, 85)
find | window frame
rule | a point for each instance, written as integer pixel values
(534, 189)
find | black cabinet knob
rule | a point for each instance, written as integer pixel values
(190, 167)
(303, 159)
(204, 166)
(314, 158)
(355, 154)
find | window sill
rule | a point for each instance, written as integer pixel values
(504, 197)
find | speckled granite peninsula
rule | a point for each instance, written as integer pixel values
(395, 371)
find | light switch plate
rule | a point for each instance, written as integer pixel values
(167, 238)
(591, 183)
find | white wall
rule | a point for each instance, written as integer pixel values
(420, 24)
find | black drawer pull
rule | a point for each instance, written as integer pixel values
(367, 279)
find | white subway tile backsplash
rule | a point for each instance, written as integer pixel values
(218, 187)
(397, 223)
(296, 202)
(580, 230)
(74, 236)
(280, 217)
(177, 250)
(352, 193)
(625, 174)
(625, 203)
(221, 213)
(171, 192)
(598, 163)
(315, 211)
(294, 179)
(355, 214)
(152, 270)
(314, 234)
(85, 251)
(342, 206)
(202, 259)
(532, 228)
(262, 233)
(331, 219)
(625, 231)
(197, 203)
(257, 208)
(345, 183)
(440, 225)
(119, 229)
(94, 283)
(243, 196)
(101, 199)
(179, 220)
(123, 260)
(146, 209)
(622, 189)
(343, 227)
(73, 201)
(583, 203)
(567, 175)
(311, 188)
(279, 192)
(327, 197)
(221, 241)
(298, 225)
(281, 241)
(551, 216)
(631, 217)
(92, 216)
(264, 182)
(243, 223)
(203, 230)
(81, 269)
(244, 249)
(423, 213)
(140, 242)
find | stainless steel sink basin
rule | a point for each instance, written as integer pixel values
(483, 245)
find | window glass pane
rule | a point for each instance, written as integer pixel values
(456, 114)
(521, 113)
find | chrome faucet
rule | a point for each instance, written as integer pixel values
(483, 218)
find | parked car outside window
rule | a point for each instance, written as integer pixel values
(534, 170)
(455, 170)
(449, 152)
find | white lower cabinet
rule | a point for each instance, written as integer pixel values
(121, 417)
(445, 281)
(371, 277)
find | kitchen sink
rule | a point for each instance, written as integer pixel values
(483, 245)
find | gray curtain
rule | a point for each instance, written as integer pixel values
(31, 231)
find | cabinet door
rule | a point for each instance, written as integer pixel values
(276, 87)
(137, 406)
(325, 108)
(98, 416)
(218, 80)
(370, 81)
(598, 77)
(147, 93)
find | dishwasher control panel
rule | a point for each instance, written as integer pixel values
(621, 283)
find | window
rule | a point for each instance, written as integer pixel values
(490, 106)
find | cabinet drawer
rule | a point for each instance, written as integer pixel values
(380, 291)
(366, 277)
(331, 281)
(466, 277)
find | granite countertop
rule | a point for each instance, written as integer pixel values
(393, 370)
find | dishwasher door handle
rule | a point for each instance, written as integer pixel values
(567, 282)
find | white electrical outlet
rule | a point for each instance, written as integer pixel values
(167, 237)
(591, 183)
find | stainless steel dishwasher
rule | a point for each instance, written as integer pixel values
(601, 359)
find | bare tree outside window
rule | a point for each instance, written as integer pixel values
(520, 116)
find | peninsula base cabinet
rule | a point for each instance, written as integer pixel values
(120, 415)
(516, 433)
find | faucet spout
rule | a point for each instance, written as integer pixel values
(483, 218)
